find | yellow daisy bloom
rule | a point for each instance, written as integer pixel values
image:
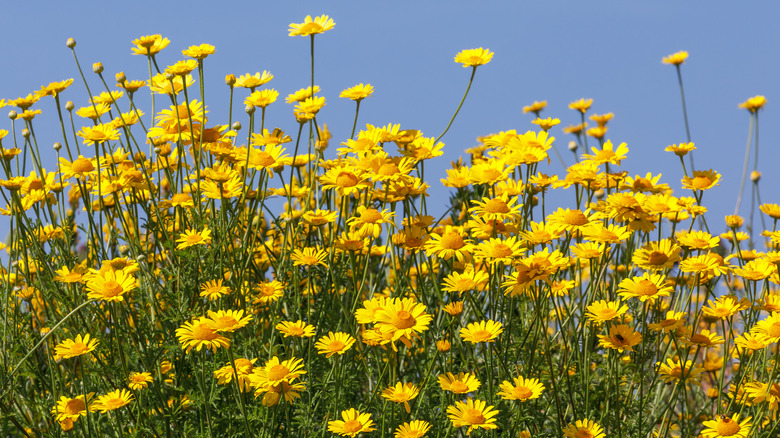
(461, 383)
(311, 26)
(113, 400)
(675, 58)
(401, 393)
(296, 329)
(584, 428)
(192, 237)
(75, 347)
(412, 429)
(334, 343)
(473, 413)
(138, 381)
(110, 285)
(522, 390)
(621, 337)
(723, 426)
(200, 333)
(228, 320)
(474, 57)
(352, 423)
(483, 331)
(358, 92)
(72, 408)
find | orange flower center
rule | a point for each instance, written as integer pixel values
(481, 335)
(774, 330)
(336, 346)
(575, 217)
(496, 206)
(473, 416)
(75, 406)
(203, 332)
(451, 241)
(346, 179)
(646, 288)
(263, 159)
(351, 426)
(82, 165)
(193, 239)
(388, 169)
(583, 433)
(112, 289)
(295, 331)
(225, 322)
(459, 387)
(699, 338)
(371, 216)
(278, 372)
(522, 393)
(657, 258)
(701, 182)
(727, 427)
(404, 320)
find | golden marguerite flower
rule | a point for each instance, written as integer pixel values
(584, 428)
(113, 400)
(334, 343)
(482, 331)
(521, 390)
(474, 57)
(200, 333)
(725, 426)
(675, 58)
(352, 423)
(75, 347)
(311, 26)
(401, 393)
(475, 414)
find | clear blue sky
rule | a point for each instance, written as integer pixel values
(558, 51)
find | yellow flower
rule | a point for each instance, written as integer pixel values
(602, 311)
(98, 134)
(353, 421)
(581, 105)
(358, 92)
(72, 408)
(113, 400)
(262, 98)
(253, 80)
(704, 339)
(545, 124)
(701, 180)
(200, 333)
(522, 390)
(149, 44)
(297, 329)
(199, 52)
(243, 370)
(461, 383)
(413, 429)
(607, 154)
(584, 428)
(535, 107)
(621, 337)
(474, 57)
(648, 287)
(723, 426)
(54, 88)
(675, 58)
(754, 104)
(473, 413)
(276, 372)
(680, 150)
(311, 26)
(482, 331)
(401, 393)
(139, 381)
(334, 343)
(769, 327)
(302, 94)
(402, 319)
(228, 320)
(110, 285)
(722, 308)
(192, 237)
(213, 289)
(309, 257)
(75, 347)
(674, 370)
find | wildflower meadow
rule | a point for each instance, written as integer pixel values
(173, 271)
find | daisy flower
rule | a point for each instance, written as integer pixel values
(353, 422)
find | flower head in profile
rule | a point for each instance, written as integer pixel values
(474, 57)
(701, 180)
(75, 347)
(149, 44)
(253, 80)
(138, 381)
(98, 134)
(581, 105)
(681, 149)
(461, 383)
(676, 58)
(72, 408)
(113, 400)
(228, 320)
(754, 104)
(311, 26)
(199, 52)
(240, 369)
(358, 92)
(473, 413)
(352, 423)
(584, 428)
(535, 107)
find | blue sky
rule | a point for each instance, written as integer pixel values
(556, 51)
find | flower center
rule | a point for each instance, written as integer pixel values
(774, 330)
(336, 346)
(583, 433)
(458, 387)
(371, 216)
(352, 426)
(496, 206)
(646, 288)
(522, 393)
(699, 338)
(701, 182)
(278, 372)
(203, 332)
(388, 169)
(481, 335)
(263, 159)
(224, 322)
(112, 289)
(727, 427)
(346, 179)
(451, 241)
(473, 416)
(404, 320)
(657, 258)
(75, 406)
(575, 217)
(82, 165)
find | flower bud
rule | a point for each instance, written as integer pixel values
(230, 80)
(71, 43)
(236, 126)
(734, 221)
(69, 105)
(572, 145)
(169, 76)
(57, 147)
(25, 133)
(97, 67)
(120, 77)
(250, 109)
(755, 176)
(12, 114)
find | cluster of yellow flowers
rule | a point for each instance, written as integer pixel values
(177, 247)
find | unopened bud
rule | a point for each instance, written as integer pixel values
(230, 79)
(572, 146)
(71, 43)
(169, 76)
(69, 106)
(97, 67)
(25, 132)
(599, 193)
(157, 150)
(236, 126)
(120, 77)
(755, 176)
(57, 147)
(250, 109)
(12, 114)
